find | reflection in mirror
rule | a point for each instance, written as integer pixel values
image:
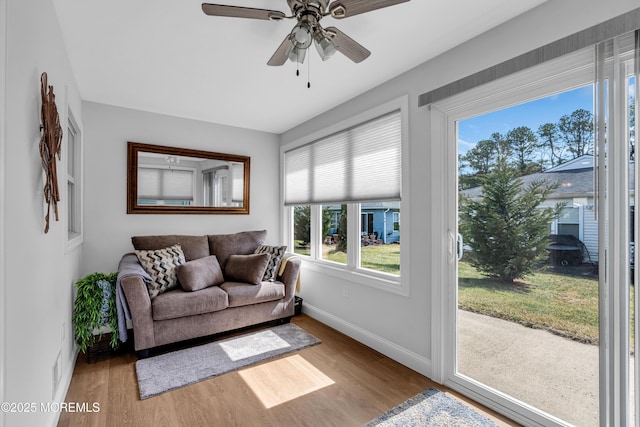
(174, 180)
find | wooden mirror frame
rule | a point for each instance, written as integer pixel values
(133, 148)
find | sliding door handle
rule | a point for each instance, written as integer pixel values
(451, 247)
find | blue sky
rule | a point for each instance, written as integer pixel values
(531, 114)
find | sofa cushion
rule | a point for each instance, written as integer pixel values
(194, 247)
(178, 303)
(200, 273)
(161, 265)
(243, 243)
(276, 252)
(243, 294)
(246, 268)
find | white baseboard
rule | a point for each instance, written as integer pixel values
(65, 382)
(401, 355)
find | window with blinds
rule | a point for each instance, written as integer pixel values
(165, 184)
(344, 189)
(359, 164)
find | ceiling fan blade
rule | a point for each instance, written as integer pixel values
(242, 12)
(280, 56)
(345, 8)
(348, 46)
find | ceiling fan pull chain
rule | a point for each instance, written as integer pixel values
(309, 73)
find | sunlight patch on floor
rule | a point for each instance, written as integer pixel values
(253, 345)
(284, 379)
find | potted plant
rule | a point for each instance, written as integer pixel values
(95, 308)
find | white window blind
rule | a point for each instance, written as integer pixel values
(362, 163)
(165, 184)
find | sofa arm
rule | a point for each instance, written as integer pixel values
(290, 276)
(135, 290)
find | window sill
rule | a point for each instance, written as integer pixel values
(370, 278)
(73, 241)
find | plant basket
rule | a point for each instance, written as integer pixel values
(94, 311)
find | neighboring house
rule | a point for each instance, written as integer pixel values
(575, 188)
(379, 218)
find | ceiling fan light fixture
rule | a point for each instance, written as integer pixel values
(301, 36)
(296, 54)
(324, 45)
(308, 14)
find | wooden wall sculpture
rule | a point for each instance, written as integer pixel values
(50, 145)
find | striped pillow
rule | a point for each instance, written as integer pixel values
(161, 266)
(276, 252)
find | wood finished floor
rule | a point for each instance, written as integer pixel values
(346, 384)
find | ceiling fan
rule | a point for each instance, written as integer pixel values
(308, 30)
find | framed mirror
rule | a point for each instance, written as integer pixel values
(171, 180)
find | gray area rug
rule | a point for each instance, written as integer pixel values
(431, 408)
(169, 371)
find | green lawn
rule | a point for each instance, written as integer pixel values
(376, 257)
(564, 304)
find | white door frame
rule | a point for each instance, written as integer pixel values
(563, 74)
(3, 135)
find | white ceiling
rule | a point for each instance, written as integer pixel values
(167, 56)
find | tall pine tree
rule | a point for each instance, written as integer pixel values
(507, 229)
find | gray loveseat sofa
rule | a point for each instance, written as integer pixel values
(215, 299)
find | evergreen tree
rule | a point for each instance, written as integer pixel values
(632, 131)
(503, 148)
(341, 244)
(523, 144)
(550, 141)
(481, 157)
(576, 130)
(327, 221)
(507, 230)
(302, 224)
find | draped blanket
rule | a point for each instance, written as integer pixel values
(129, 266)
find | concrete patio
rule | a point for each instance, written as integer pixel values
(555, 374)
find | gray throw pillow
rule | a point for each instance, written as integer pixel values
(200, 274)
(276, 252)
(242, 243)
(161, 266)
(246, 268)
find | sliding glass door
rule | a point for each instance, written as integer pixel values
(541, 230)
(527, 279)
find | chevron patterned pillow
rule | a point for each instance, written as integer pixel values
(161, 266)
(276, 252)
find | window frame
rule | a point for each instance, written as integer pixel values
(352, 270)
(396, 220)
(75, 205)
(557, 222)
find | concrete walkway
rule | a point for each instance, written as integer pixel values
(555, 374)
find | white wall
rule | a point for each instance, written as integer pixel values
(108, 228)
(38, 274)
(401, 326)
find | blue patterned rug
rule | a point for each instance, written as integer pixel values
(431, 408)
